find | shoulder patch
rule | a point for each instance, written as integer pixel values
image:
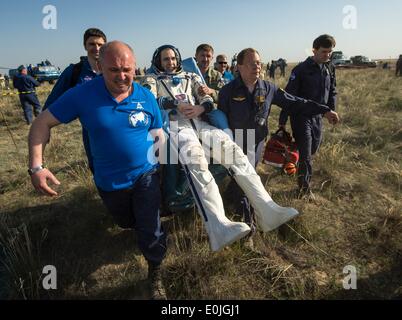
(259, 99)
(292, 76)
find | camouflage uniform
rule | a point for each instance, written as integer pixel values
(213, 79)
(2, 82)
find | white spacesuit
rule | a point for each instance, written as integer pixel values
(186, 136)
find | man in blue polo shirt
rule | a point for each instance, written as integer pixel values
(79, 73)
(123, 120)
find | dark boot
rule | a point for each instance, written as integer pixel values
(248, 214)
(249, 218)
(155, 281)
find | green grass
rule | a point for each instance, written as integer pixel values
(355, 220)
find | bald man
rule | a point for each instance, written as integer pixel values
(123, 121)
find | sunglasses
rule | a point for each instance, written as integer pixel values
(222, 62)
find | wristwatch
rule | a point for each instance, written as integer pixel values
(34, 170)
(176, 103)
(208, 106)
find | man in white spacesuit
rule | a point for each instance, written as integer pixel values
(194, 140)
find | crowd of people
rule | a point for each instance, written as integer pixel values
(129, 126)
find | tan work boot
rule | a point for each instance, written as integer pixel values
(157, 289)
(249, 244)
(307, 195)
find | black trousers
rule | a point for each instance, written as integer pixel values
(138, 208)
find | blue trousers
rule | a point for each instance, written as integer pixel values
(87, 148)
(29, 101)
(307, 132)
(138, 208)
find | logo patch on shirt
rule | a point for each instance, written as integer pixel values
(139, 118)
(239, 99)
(86, 79)
(139, 106)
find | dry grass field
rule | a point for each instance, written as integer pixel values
(355, 220)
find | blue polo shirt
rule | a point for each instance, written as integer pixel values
(121, 145)
(227, 76)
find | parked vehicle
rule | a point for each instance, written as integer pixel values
(362, 61)
(40, 72)
(340, 60)
(46, 73)
(12, 73)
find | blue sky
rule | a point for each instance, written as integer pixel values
(276, 28)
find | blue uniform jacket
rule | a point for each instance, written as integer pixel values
(25, 83)
(311, 82)
(245, 110)
(63, 83)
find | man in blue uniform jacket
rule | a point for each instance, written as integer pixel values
(312, 79)
(247, 100)
(79, 73)
(25, 85)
